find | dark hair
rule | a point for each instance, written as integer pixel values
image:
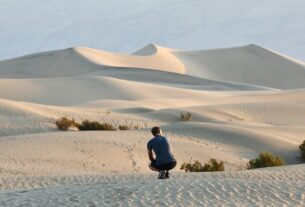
(155, 130)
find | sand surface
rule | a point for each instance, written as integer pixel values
(243, 101)
(268, 187)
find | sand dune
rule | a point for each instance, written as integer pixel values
(150, 57)
(57, 63)
(78, 153)
(252, 65)
(79, 60)
(86, 89)
(248, 64)
(235, 96)
(235, 127)
(84, 71)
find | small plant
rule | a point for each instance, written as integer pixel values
(64, 123)
(94, 125)
(265, 159)
(212, 166)
(216, 166)
(185, 116)
(124, 127)
(302, 150)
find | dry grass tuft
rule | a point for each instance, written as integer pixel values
(64, 123)
(185, 116)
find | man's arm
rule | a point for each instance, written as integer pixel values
(171, 149)
(169, 146)
(150, 155)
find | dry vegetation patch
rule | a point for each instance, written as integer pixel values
(124, 127)
(64, 123)
(185, 116)
(265, 159)
(87, 125)
(302, 151)
(212, 166)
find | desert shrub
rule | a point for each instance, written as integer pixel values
(212, 166)
(185, 116)
(302, 150)
(128, 127)
(216, 166)
(94, 125)
(124, 127)
(64, 123)
(265, 159)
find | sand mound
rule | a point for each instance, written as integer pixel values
(50, 64)
(87, 89)
(150, 57)
(79, 60)
(248, 64)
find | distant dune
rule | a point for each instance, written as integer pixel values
(249, 65)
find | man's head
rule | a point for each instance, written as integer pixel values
(156, 131)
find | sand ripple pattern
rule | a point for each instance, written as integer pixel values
(268, 187)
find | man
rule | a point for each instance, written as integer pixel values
(164, 160)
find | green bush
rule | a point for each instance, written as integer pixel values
(302, 150)
(185, 116)
(94, 125)
(265, 159)
(212, 166)
(65, 123)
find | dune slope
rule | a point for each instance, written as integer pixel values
(248, 64)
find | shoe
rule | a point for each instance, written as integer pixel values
(162, 174)
(167, 174)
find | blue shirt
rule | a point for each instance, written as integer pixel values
(161, 147)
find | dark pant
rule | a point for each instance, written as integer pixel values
(167, 166)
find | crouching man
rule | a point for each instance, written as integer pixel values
(164, 159)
